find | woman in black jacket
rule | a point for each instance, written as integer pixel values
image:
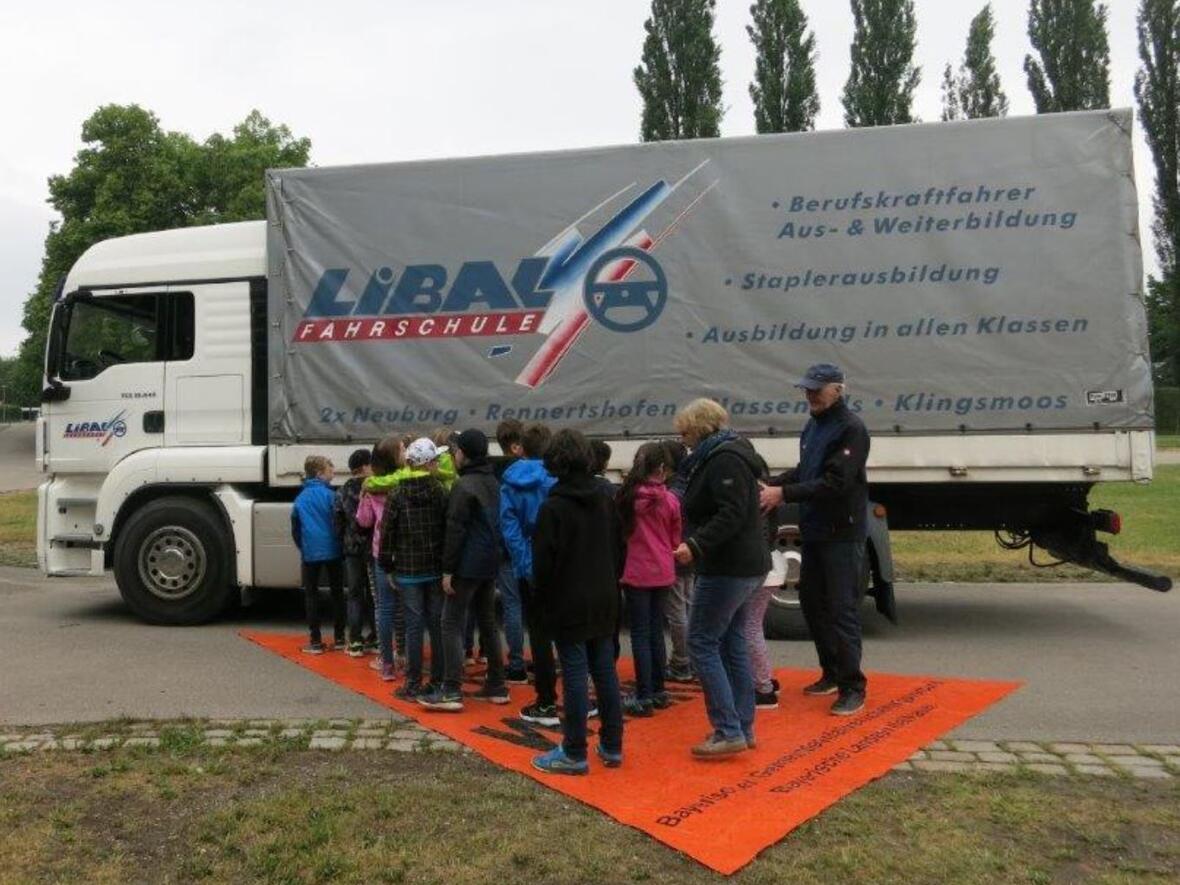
(577, 562)
(727, 548)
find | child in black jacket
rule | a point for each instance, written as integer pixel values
(356, 542)
(578, 558)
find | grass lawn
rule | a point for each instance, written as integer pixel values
(193, 813)
(1167, 442)
(18, 528)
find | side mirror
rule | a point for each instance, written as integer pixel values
(55, 393)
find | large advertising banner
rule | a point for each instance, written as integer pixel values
(983, 275)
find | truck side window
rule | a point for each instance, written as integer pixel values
(109, 330)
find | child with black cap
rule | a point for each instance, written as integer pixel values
(356, 541)
(471, 559)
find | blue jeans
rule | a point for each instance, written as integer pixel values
(509, 588)
(719, 654)
(592, 659)
(423, 603)
(646, 607)
(386, 605)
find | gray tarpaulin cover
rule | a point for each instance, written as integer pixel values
(982, 275)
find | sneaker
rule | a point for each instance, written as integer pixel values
(497, 695)
(774, 684)
(592, 709)
(751, 743)
(849, 703)
(633, 706)
(442, 700)
(377, 663)
(714, 747)
(313, 648)
(821, 686)
(609, 759)
(356, 650)
(679, 674)
(388, 673)
(516, 677)
(370, 645)
(661, 700)
(541, 714)
(339, 643)
(556, 762)
(766, 700)
(408, 692)
(469, 661)
(480, 657)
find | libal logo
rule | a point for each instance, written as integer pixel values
(104, 431)
(553, 293)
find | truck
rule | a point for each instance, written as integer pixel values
(980, 283)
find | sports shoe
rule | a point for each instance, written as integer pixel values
(678, 674)
(592, 708)
(556, 762)
(408, 692)
(849, 703)
(766, 700)
(714, 747)
(633, 706)
(377, 663)
(541, 714)
(356, 650)
(370, 645)
(313, 648)
(469, 660)
(516, 677)
(751, 743)
(497, 695)
(774, 684)
(821, 686)
(388, 673)
(442, 700)
(609, 759)
(661, 700)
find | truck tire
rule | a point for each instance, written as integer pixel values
(784, 616)
(173, 562)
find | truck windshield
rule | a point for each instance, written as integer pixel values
(102, 332)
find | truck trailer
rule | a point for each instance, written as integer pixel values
(980, 283)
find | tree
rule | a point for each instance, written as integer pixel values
(1073, 73)
(1157, 89)
(784, 94)
(132, 176)
(679, 77)
(880, 87)
(975, 92)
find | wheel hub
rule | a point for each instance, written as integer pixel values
(172, 563)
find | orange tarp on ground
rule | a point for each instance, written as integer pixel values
(721, 813)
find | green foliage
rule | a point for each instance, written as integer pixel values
(975, 92)
(1167, 411)
(1157, 89)
(784, 92)
(679, 77)
(132, 176)
(881, 84)
(1073, 73)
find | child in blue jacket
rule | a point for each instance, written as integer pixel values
(314, 529)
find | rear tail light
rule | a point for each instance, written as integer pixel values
(1106, 521)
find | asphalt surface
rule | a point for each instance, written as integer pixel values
(17, 470)
(1098, 661)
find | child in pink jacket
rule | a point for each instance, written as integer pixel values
(651, 524)
(391, 619)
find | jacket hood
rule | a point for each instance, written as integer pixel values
(418, 488)
(527, 473)
(580, 490)
(481, 465)
(744, 450)
(315, 481)
(649, 494)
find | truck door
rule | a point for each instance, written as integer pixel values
(106, 369)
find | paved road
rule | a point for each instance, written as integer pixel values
(17, 470)
(1099, 661)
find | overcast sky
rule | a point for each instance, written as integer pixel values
(407, 79)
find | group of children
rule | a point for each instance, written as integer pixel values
(436, 528)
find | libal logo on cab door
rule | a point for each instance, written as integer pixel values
(609, 277)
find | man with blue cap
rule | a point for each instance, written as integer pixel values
(832, 490)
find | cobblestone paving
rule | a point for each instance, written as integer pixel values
(400, 734)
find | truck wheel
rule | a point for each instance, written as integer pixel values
(172, 562)
(784, 615)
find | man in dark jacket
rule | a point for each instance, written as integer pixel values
(832, 488)
(470, 561)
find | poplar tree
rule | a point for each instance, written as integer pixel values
(679, 76)
(1073, 70)
(975, 92)
(1157, 89)
(784, 93)
(881, 84)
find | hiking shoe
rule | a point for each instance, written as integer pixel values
(766, 700)
(313, 648)
(408, 692)
(497, 695)
(516, 677)
(661, 700)
(609, 759)
(821, 686)
(714, 747)
(541, 714)
(556, 762)
(356, 650)
(633, 706)
(849, 703)
(442, 700)
(679, 674)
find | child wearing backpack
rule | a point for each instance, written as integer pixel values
(356, 542)
(314, 532)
